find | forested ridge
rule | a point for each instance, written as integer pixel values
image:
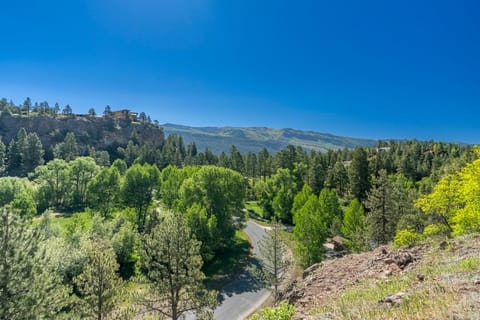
(133, 229)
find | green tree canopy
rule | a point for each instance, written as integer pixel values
(310, 231)
(103, 191)
(221, 192)
(19, 194)
(139, 185)
(354, 226)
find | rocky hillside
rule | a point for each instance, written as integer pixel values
(99, 132)
(436, 281)
(255, 139)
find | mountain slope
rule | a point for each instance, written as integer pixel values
(219, 139)
(438, 280)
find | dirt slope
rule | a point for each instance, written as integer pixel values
(440, 280)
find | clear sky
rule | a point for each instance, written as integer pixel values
(374, 69)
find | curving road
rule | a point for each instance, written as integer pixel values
(243, 295)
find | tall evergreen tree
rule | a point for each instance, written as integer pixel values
(251, 168)
(3, 158)
(68, 149)
(264, 164)
(382, 217)
(172, 266)
(99, 283)
(359, 174)
(32, 155)
(29, 287)
(27, 105)
(316, 172)
(16, 150)
(236, 160)
(274, 254)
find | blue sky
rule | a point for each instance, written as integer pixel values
(374, 69)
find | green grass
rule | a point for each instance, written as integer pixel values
(63, 221)
(254, 207)
(225, 266)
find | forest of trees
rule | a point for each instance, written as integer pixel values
(138, 214)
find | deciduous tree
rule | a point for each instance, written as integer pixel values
(354, 227)
(310, 231)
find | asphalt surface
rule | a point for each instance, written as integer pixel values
(244, 295)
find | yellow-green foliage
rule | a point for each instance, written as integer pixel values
(284, 311)
(435, 230)
(456, 199)
(406, 238)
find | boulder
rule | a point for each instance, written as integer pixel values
(394, 299)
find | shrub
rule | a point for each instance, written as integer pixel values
(435, 230)
(284, 311)
(406, 238)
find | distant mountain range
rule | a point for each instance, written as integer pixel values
(219, 139)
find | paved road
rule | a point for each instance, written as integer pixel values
(244, 295)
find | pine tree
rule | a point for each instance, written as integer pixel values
(29, 287)
(27, 105)
(172, 264)
(68, 149)
(273, 251)
(382, 216)
(359, 174)
(236, 159)
(264, 164)
(32, 155)
(3, 158)
(16, 150)
(99, 283)
(316, 172)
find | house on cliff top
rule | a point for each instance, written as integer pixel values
(123, 114)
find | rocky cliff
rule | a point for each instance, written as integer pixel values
(100, 132)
